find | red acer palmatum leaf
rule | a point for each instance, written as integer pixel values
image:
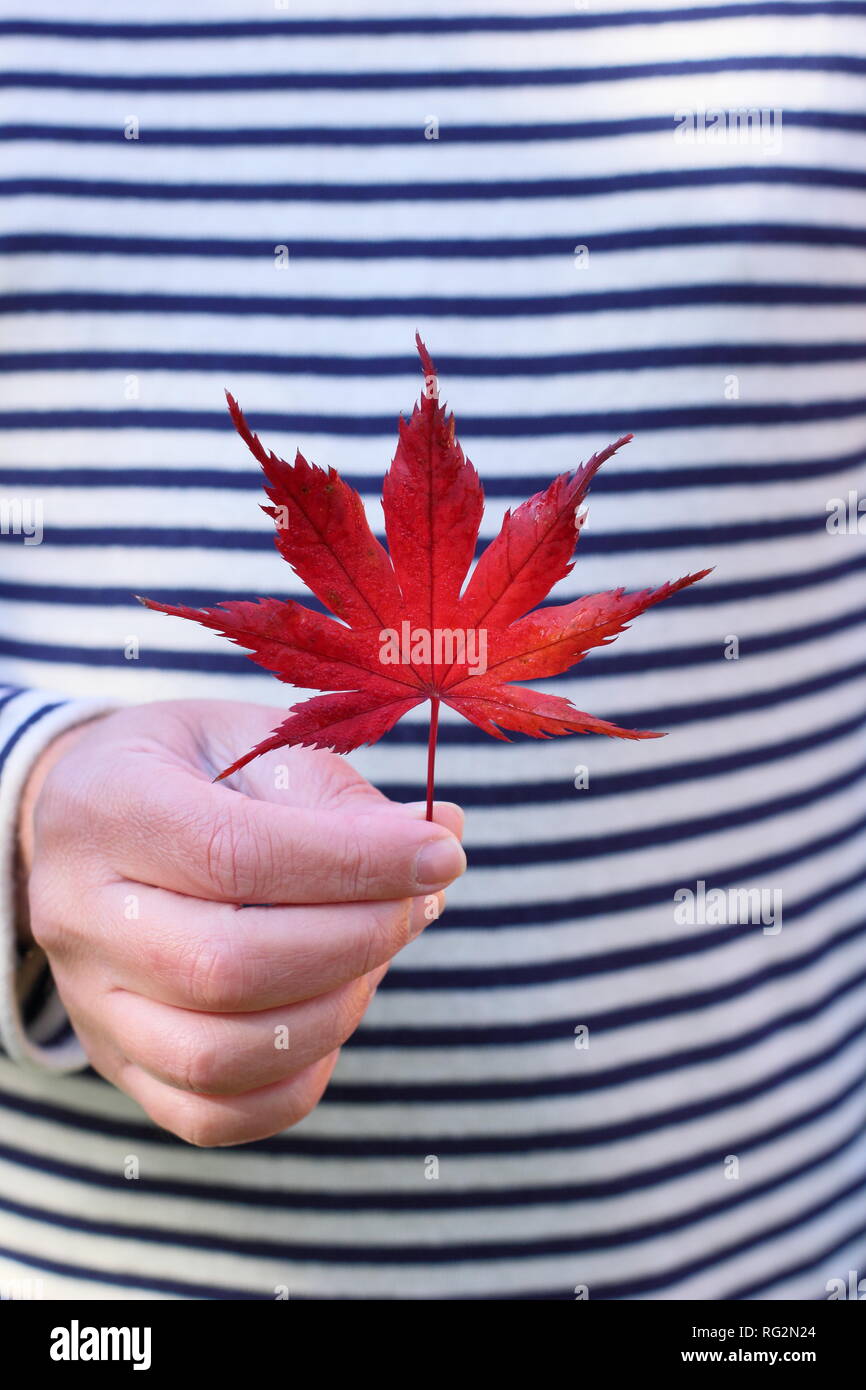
(410, 628)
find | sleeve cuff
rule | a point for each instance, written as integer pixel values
(34, 1028)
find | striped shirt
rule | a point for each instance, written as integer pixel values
(589, 1078)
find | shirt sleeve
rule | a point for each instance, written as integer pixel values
(34, 1028)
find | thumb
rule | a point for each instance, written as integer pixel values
(446, 813)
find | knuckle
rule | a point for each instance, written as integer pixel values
(48, 918)
(197, 1061)
(74, 807)
(299, 1111)
(303, 1101)
(230, 856)
(60, 801)
(387, 931)
(213, 975)
(199, 1123)
(348, 1009)
(357, 868)
(206, 1124)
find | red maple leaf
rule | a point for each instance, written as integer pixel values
(406, 630)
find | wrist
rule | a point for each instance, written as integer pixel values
(43, 765)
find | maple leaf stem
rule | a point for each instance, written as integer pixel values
(431, 752)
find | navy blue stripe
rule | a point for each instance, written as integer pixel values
(779, 1275)
(463, 1199)
(333, 27)
(357, 1146)
(605, 662)
(527, 1241)
(704, 595)
(541, 913)
(22, 728)
(502, 248)
(611, 1020)
(8, 695)
(733, 415)
(608, 661)
(177, 1288)
(791, 1271)
(617, 784)
(513, 306)
(732, 474)
(387, 1255)
(370, 484)
(331, 1252)
(580, 848)
(654, 1283)
(414, 732)
(185, 1289)
(659, 358)
(666, 1064)
(584, 847)
(797, 175)
(366, 136)
(592, 543)
(433, 78)
(403, 978)
(614, 784)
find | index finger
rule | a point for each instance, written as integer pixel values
(209, 841)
